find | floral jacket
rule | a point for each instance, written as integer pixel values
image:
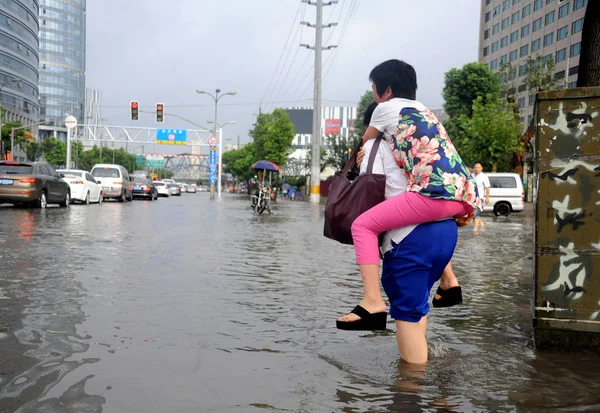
(430, 161)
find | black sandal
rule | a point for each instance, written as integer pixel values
(450, 297)
(367, 322)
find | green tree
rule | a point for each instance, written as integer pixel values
(55, 151)
(339, 149)
(6, 131)
(540, 74)
(365, 100)
(495, 132)
(238, 162)
(324, 157)
(273, 134)
(33, 151)
(463, 86)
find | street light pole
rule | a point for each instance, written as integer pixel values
(216, 97)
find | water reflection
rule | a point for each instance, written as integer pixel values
(191, 305)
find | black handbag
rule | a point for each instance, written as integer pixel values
(350, 196)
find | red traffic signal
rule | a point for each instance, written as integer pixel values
(135, 105)
(160, 115)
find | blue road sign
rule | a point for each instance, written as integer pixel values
(171, 136)
(212, 164)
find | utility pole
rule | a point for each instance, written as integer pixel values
(315, 182)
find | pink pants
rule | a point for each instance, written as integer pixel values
(408, 208)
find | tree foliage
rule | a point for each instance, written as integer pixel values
(273, 134)
(33, 151)
(495, 132)
(539, 74)
(339, 149)
(238, 162)
(364, 102)
(463, 86)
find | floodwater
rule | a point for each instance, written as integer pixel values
(190, 305)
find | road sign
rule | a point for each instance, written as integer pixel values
(171, 136)
(213, 141)
(212, 163)
(70, 122)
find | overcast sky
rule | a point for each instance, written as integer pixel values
(162, 51)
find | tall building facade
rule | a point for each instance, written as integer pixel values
(93, 112)
(513, 30)
(62, 64)
(19, 60)
(335, 120)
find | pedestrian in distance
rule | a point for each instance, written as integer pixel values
(483, 187)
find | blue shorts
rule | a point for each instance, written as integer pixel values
(412, 267)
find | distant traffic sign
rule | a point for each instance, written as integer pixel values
(212, 141)
(171, 136)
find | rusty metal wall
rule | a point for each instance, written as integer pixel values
(567, 211)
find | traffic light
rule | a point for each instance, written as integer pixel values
(160, 115)
(135, 110)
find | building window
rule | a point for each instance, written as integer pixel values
(562, 33)
(538, 4)
(548, 58)
(513, 55)
(505, 23)
(495, 46)
(525, 31)
(495, 28)
(535, 45)
(524, 51)
(537, 24)
(515, 17)
(574, 70)
(486, 34)
(506, 5)
(548, 39)
(561, 74)
(550, 17)
(503, 59)
(514, 36)
(549, 1)
(504, 42)
(531, 100)
(487, 2)
(521, 103)
(487, 17)
(497, 10)
(561, 55)
(575, 49)
(573, 84)
(516, 2)
(494, 64)
(526, 11)
(578, 4)
(529, 119)
(522, 70)
(563, 11)
(577, 26)
(486, 51)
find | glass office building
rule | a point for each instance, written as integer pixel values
(19, 60)
(62, 64)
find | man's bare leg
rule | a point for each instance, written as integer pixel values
(372, 300)
(448, 279)
(412, 341)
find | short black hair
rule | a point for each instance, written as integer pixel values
(369, 113)
(477, 163)
(397, 75)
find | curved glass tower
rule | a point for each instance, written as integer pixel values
(62, 64)
(19, 60)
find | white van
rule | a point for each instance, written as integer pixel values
(506, 194)
(115, 181)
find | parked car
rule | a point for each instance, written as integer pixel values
(162, 188)
(84, 187)
(168, 181)
(32, 183)
(191, 189)
(115, 181)
(506, 194)
(144, 188)
(174, 189)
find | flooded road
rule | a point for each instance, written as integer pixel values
(188, 305)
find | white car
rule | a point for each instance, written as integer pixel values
(168, 181)
(506, 194)
(162, 188)
(191, 189)
(84, 187)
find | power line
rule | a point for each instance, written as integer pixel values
(350, 16)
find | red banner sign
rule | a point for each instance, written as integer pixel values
(332, 126)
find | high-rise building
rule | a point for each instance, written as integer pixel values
(19, 60)
(93, 112)
(62, 64)
(513, 30)
(335, 120)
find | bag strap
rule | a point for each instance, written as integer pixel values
(372, 155)
(352, 161)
